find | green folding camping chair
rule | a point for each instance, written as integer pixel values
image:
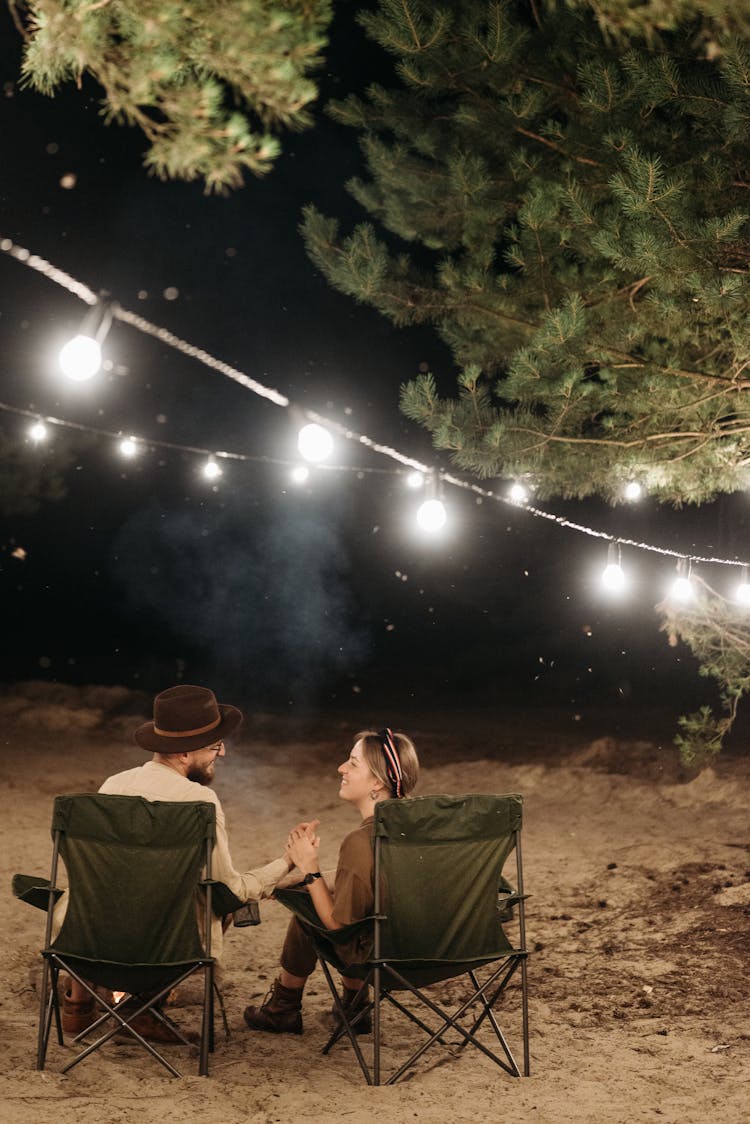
(440, 905)
(131, 923)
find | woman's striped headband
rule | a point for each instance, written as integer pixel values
(392, 763)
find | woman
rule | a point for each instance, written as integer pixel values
(381, 766)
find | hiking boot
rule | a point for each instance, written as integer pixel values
(154, 1030)
(77, 1015)
(280, 1012)
(354, 1001)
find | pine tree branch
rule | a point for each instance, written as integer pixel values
(556, 147)
(631, 361)
(192, 76)
(613, 443)
(535, 14)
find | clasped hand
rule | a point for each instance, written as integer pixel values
(302, 847)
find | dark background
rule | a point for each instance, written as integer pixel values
(280, 597)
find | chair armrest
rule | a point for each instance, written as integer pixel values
(223, 901)
(33, 890)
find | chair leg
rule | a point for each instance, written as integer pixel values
(525, 1013)
(449, 1020)
(222, 1008)
(376, 1026)
(124, 1023)
(134, 1006)
(345, 1027)
(207, 1028)
(415, 1018)
(45, 1016)
(489, 1014)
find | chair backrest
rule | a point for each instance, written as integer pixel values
(133, 866)
(438, 866)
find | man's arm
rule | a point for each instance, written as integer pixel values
(250, 885)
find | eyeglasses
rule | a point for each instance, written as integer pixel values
(217, 746)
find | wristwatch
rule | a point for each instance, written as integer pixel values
(311, 877)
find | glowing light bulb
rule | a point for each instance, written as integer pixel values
(38, 432)
(432, 515)
(128, 446)
(517, 493)
(742, 593)
(300, 473)
(613, 577)
(314, 442)
(633, 491)
(211, 469)
(682, 589)
(80, 358)
(415, 479)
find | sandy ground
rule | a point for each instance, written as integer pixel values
(638, 921)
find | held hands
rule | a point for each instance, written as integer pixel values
(309, 826)
(302, 847)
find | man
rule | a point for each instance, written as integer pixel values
(185, 737)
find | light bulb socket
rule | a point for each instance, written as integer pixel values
(98, 320)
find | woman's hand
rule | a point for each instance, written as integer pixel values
(302, 847)
(310, 826)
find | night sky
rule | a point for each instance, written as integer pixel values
(277, 595)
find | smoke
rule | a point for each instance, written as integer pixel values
(263, 596)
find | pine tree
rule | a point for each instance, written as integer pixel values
(562, 191)
(188, 73)
(572, 218)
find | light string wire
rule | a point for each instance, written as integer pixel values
(157, 443)
(84, 293)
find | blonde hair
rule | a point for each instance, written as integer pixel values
(374, 758)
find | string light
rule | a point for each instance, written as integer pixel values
(314, 442)
(517, 493)
(742, 593)
(633, 491)
(128, 446)
(157, 443)
(682, 587)
(414, 479)
(300, 474)
(38, 432)
(613, 576)
(81, 357)
(431, 515)
(211, 470)
(85, 294)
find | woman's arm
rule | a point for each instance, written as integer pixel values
(302, 849)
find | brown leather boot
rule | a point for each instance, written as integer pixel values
(77, 1015)
(353, 1001)
(280, 1012)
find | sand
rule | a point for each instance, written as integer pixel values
(638, 924)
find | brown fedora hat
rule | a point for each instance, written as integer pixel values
(187, 718)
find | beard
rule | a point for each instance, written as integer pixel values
(201, 774)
